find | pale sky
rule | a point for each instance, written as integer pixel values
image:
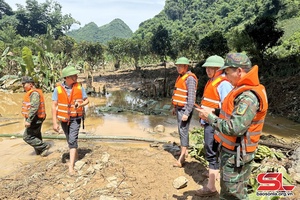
(101, 12)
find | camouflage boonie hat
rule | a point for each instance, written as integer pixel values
(237, 60)
(27, 79)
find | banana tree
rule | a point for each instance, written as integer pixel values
(41, 68)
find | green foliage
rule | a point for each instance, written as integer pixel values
(241, 41)
(196, 136)
(265, 152)
(189, 22)
(289, 26)
(289, 47)
(27, 57)
(90, 52)
(91, 33)
(135, 50)
(5, 9)
(213, 44)
(3, 61)
(161, 43)
(117, 49)
(290, 9)
(8, 36)
(34, 18)
(264, 32)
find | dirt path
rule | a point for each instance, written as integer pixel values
(113, 170)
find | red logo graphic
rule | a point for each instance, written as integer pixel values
(272, 182)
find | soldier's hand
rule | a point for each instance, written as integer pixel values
(184, 117)
(27, 124)
(56, 127)
(204, 112)
(174, 111)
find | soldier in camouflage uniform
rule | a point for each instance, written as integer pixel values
(239, 125)
(33, 109)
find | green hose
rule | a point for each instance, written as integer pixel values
(88, 137)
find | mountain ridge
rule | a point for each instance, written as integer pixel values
(92, 33)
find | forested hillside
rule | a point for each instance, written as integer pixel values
(202, 17)
(92, 33)
(189, 22)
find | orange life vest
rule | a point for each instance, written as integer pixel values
(180, 93)
(211, 97)
(66, 105)
(41, 113)
(249, 141)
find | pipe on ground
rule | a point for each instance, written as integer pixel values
(90, 137)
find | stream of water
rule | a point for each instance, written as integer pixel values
(122, 123)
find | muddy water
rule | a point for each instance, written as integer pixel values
(120, 124)
(123, 124)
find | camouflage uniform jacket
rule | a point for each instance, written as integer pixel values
(245, 109)
(35, 103)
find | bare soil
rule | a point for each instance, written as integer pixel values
(111, 169)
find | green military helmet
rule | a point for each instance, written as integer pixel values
(237, 60)
(182, 61)
(214, 61)
(69, 71)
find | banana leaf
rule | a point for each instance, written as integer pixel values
(27, 57)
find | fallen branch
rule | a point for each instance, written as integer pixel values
(269, 144)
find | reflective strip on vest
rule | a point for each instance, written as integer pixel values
(211, 97)
(258, 122)
(213, 101)
(182, 102)
(181, 90)
(178, 95)
(225, 140)
(62, 104)
(202, 106)
(65, 111)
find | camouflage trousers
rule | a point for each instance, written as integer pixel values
(33, 136)
(234, 179)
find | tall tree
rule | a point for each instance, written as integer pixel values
(264, 34)
(161, 46)
(5, 9)
(161, 42)
(34, 18)
(117, 49)
(213, 44)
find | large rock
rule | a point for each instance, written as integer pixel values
(159, 129)
(180, 182)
